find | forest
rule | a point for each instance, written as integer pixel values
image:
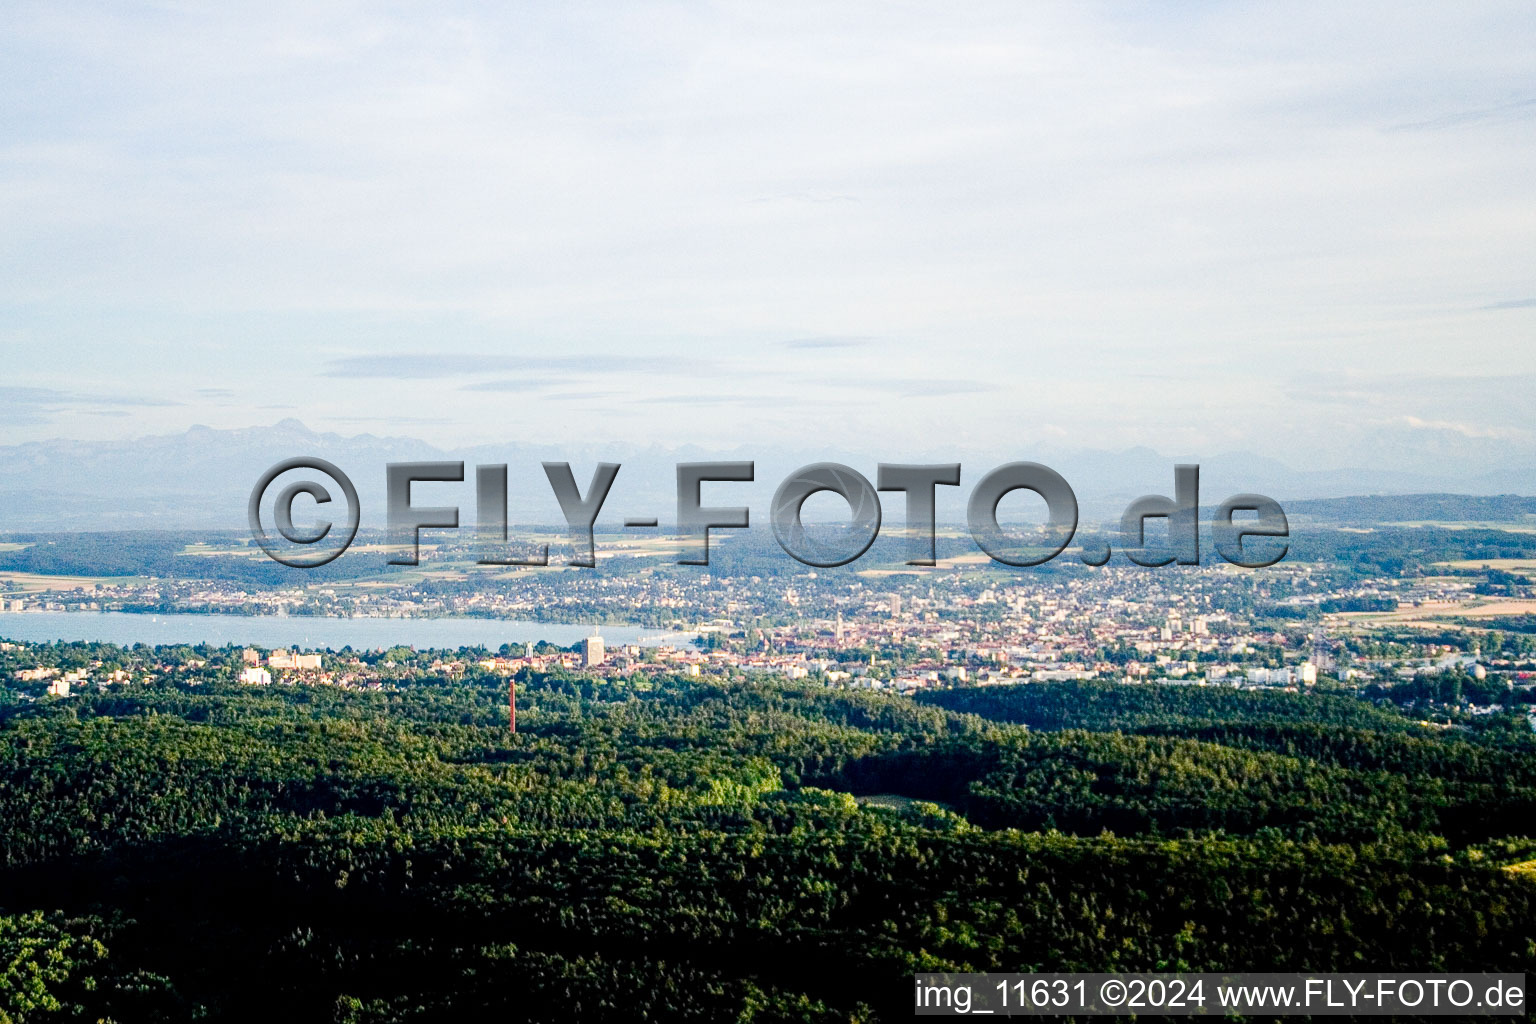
(727, 849)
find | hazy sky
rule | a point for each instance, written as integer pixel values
(1306, 231)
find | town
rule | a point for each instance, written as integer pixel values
(1455, 636)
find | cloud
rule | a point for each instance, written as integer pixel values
(31, 396)
(1519, 110)
(1421, 391)
(516, 384)
(930, 387)
(1335, 394)
(1464, 429)
(423, 365)
(711, 398)
(419, 420)
(130, 400)
(831, 341)
(415, 366)
(1062, 197)
(808, 196)
(26, 405)
(1511, 304)
(581, 396)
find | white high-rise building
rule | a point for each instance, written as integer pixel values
(592, 651)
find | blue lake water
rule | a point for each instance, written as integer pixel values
(309, 631)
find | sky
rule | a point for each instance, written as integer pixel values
(1306, 231)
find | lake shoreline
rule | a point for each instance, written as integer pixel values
(317, 632)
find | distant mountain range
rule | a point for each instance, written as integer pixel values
(202, 479)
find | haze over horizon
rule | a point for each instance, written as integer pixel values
(201, 477)
(1297, 231)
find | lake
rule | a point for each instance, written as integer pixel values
(310, 631)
